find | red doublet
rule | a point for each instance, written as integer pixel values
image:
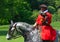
(47, 33)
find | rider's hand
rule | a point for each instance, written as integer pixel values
(34, 26)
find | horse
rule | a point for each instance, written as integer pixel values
(27, 31)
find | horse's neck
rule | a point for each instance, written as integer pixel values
(33, 36)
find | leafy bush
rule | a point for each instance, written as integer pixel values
(56, 17)
(34, 16)
(22, 12)
(17, 10)
(51, 9)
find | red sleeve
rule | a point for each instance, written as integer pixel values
(39, 20)
(49, 17)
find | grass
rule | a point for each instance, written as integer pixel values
(3, 32)
(4, 29)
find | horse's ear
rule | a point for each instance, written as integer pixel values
(11, 22)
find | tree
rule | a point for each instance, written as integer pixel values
(17, 10)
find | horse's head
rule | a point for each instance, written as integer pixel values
(19, 26)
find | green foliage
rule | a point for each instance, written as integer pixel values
(34, 16)
(57, 3)
(22, 11)
(51, 9)
(58, 18)
(54, 17)
(47, 2)
(58, 13)
(17, 10)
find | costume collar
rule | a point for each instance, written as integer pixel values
(44, 11)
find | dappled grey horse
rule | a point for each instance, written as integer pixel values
(29, 34)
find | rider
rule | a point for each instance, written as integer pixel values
(43, 21)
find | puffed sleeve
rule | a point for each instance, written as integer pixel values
(39, 20)
(49, 17)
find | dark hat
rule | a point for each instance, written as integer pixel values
(43, 6)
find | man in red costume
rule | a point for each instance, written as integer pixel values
(47, 33)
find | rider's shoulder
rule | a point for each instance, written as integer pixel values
(48, 13)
